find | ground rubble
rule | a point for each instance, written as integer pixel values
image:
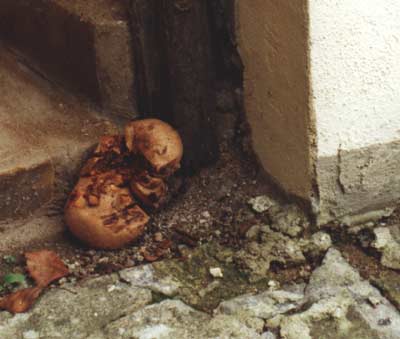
(285, 280)
(164, 300)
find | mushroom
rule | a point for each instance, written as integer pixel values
(102, 210)
(110, 153)
(158, 143)
(102, 213)
(151, 191)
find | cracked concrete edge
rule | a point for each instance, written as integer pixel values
(82, 45)
(366, 180)
(24, 190)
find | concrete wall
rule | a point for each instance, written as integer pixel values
(322, 85)
(273, 44)
(355, 72)
(355, 53)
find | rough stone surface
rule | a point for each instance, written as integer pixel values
(290, 221)
(147, 277)
(262, 306)
(388, 281)
(341, 306)
(172, 319)
(275, 247)
(33, 232)
(256, 257)
(336, 303)
(387, 242)
(44, 135)
(359, 181)
(76, 311)
(261, 203)
(84, 45)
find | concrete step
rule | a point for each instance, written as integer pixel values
(82, 44)
(44, 134)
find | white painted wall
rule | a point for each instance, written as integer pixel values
(355, 67)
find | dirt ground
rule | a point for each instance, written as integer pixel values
(210, 207)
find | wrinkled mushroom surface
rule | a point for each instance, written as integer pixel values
(123, 173)
(151, 191)
(103, 214)
(157, 142)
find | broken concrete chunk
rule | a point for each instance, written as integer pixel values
(291, 221)
(387, 242)
(261, 203)
(317, 245)
(253, 232)
(264, 306)
(341, 306)
(372, 216)
(77, 311)
(256, 258)
(172, 319)
(147, 277)
(216, 272)
(268, 335)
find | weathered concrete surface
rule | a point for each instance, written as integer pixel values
(76, 311)
(44, 134)
(336, 303)
(330, 139)
(273, 44)
(387, 242)
(342, 305)
(84, 45)
(174, 319)
(358, 181)
(257, 256)
(33, 232)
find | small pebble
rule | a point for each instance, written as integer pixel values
(374, 301)
(272, 284)
(206, 215)
(216, 272)
(158, 237)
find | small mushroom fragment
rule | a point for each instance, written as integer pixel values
(158, 143)
(110, 153)
(151, 191)
(103, 214)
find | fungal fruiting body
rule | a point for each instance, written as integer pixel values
(125, 175)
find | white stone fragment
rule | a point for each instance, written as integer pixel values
(157, 331)
(30, 335)
(216, 272)
(145, 276)
(261, 203)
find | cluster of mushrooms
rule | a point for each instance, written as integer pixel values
(125, 176)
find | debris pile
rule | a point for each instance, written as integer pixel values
(44, 267)
(125, 176)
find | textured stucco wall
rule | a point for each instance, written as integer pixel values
(355, 75)
(355, 53)
(322, 95)
(273, 43)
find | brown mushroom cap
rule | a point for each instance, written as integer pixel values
(157, 142)
(105, 216)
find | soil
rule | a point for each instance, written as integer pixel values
(210, 207)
